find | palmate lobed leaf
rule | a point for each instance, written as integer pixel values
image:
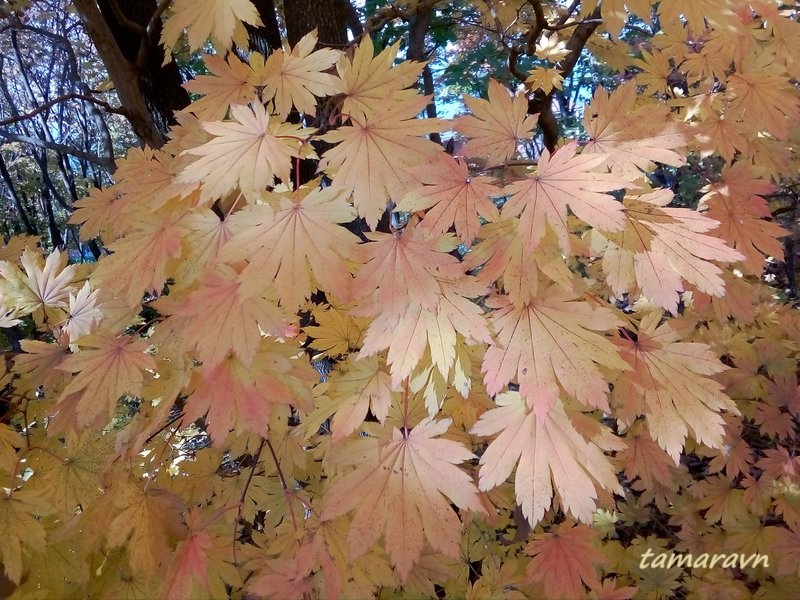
(399, 492)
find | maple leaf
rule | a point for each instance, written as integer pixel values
(496, 125)
(299, 241)
(203, 560)
(735, 201)
(216, 19)
(229, 83)
(248, 151)
(20, 519)
(450, 195)
(633, 138)
(232, 395)
(108, 367)
(548, 451)
(499, 257)
(294, 78)
(148, 523)
(336, 332)
(565, 559)
(99, 214)
(147, 251)
(666, 382)
(372, 153)
(761, 93)
(83, 313)
(406, 337)
(402, 268)
(399, 490)
(367, 81)
(42, 291)
(659, 246)
(363, 384)
(218, 318)
(547, 342)
(564, 179)
(545, 79)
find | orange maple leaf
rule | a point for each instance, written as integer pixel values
(496, 125)
(399, 490)
(564, 180)
(736, 202)
(142, 258)
(633, 138)
(232, 395)
(451, 195)
(550, 342)
(406, 337)
(660, 246)
(565, 559)
(667, 382)
(299, 241)
(403, 268)
(219, 317)
(549, 450)
(108, 367)
(371, 154)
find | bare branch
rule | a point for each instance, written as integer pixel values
(87, 156)
(55, 101)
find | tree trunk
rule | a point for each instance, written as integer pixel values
(328, 17)
(149, 92)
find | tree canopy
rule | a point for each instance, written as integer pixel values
(448, 299)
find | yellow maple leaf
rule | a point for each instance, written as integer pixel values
(496, 125)
(294, 77)
(399, 490)
(148, 523)
(217, 19)
(545, 78)
(299, 246)
(43, 290)
(249, 151)
(371, 154)
(230, 83)
(20, 521)
(369, 81)
(546, 450)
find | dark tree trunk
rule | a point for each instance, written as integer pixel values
(160, 84)
(266, 38)
(149, 92)
(328, 17)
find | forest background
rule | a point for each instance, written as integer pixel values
(445, 299)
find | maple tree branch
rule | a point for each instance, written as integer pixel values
(87, 156)
(282, 479)
(54, 101)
